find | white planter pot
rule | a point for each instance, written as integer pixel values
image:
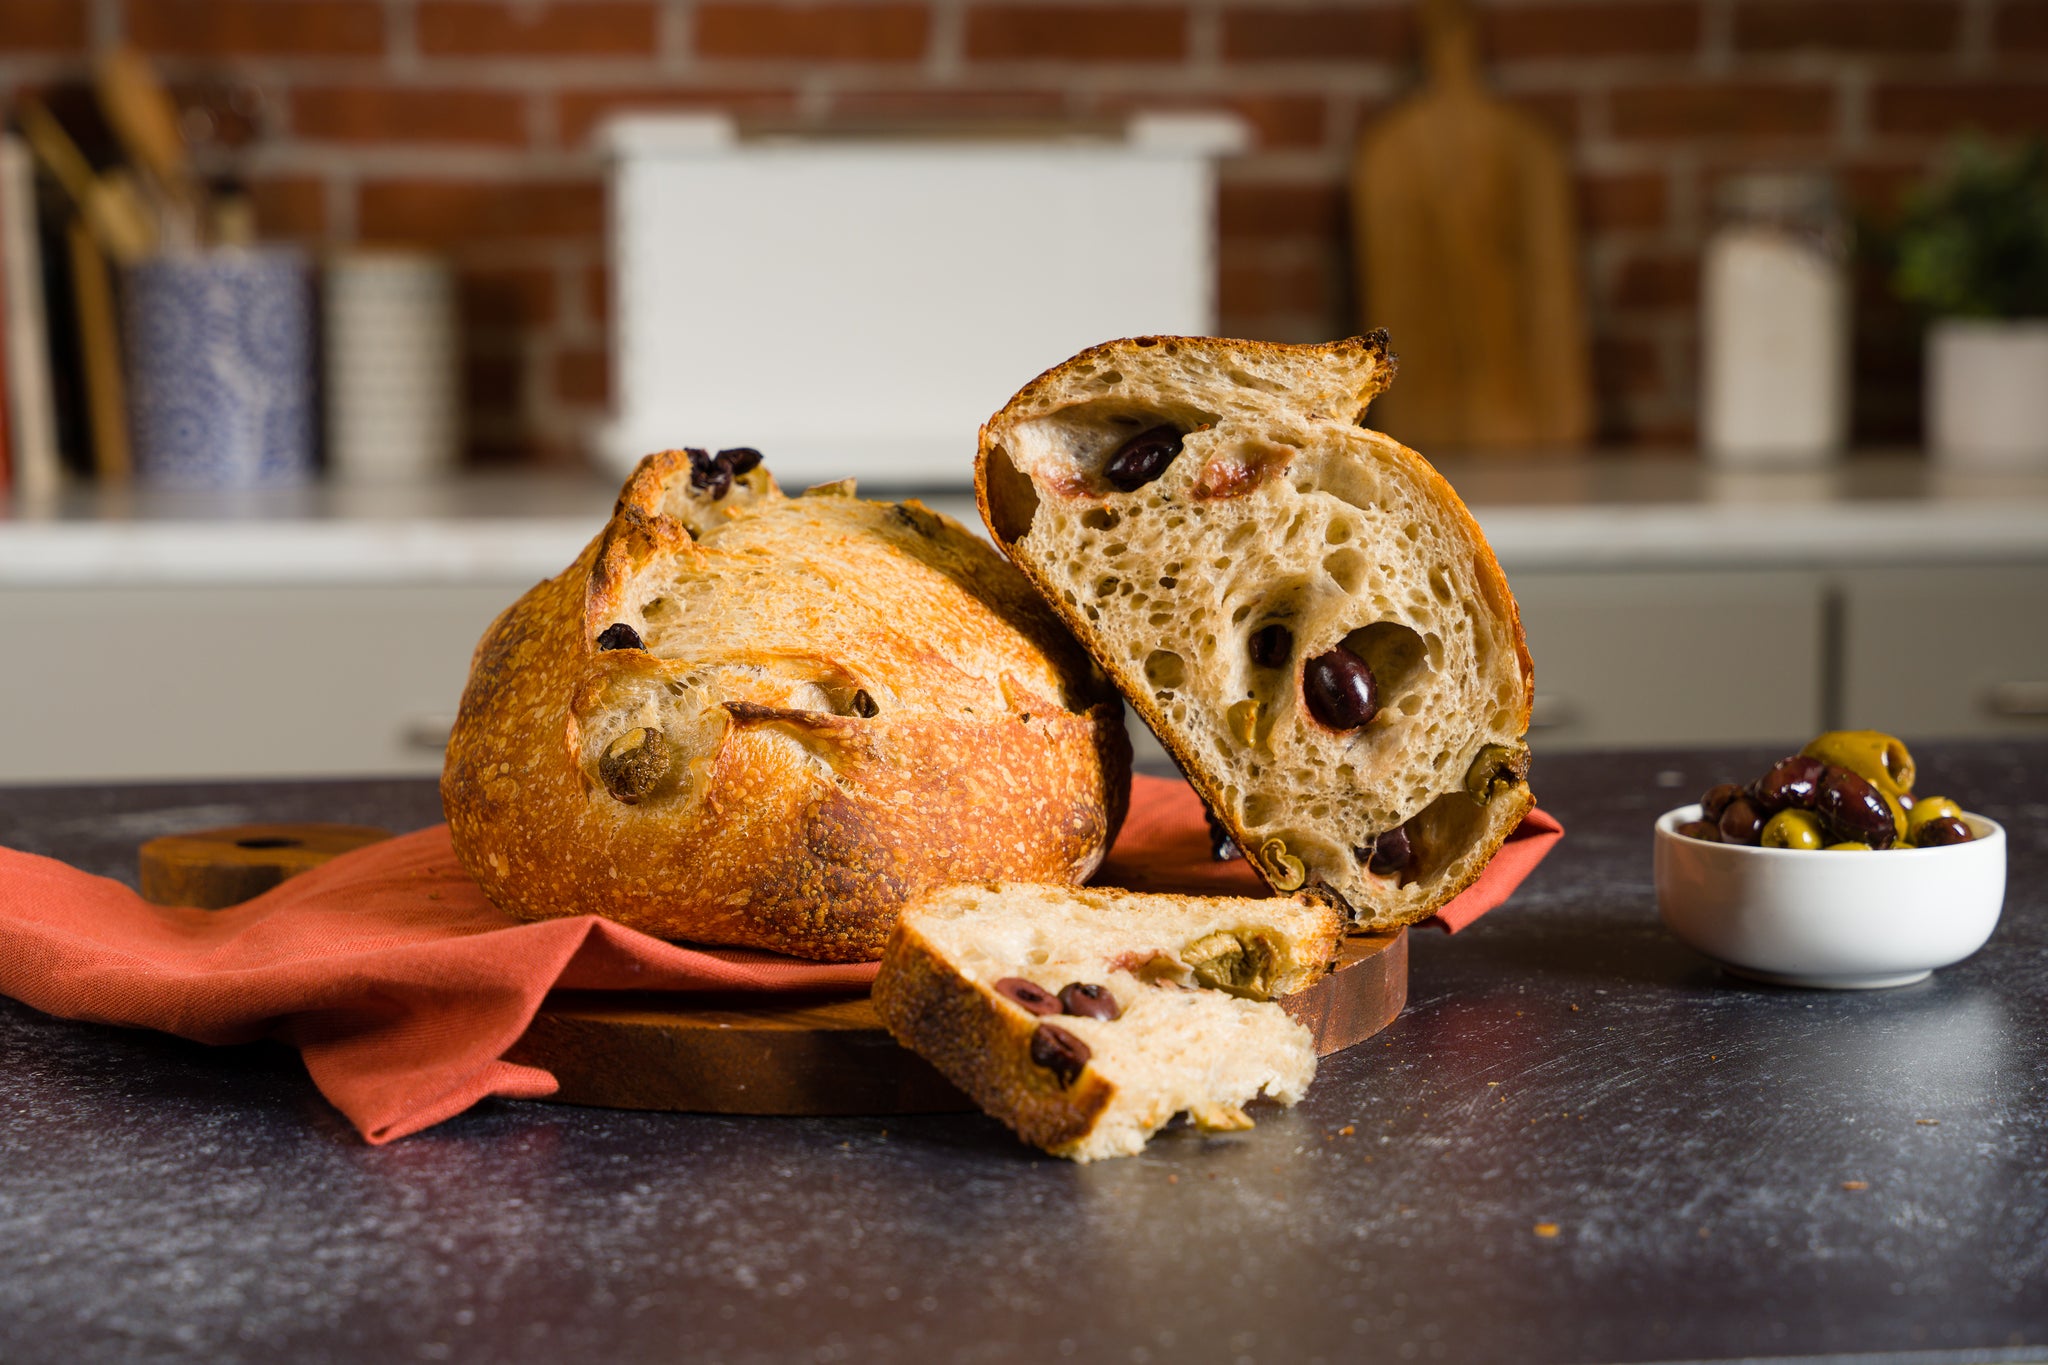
(1987, 394)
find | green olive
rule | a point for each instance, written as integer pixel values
(1848, 848)
(1928, 809)
(1899, 817)
(1880, 759)
(1793, 829)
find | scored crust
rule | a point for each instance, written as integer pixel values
(1280, 508)
(811, 710)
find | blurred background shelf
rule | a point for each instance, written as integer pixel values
(328, 629)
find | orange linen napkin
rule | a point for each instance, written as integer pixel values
(403, 987)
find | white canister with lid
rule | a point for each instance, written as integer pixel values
(392, 361)
(1774, 325)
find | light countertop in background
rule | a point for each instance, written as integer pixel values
(488, 528)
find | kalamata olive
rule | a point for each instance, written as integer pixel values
(1341, 691)
(1947, 829)
(1793, 829)
(1853, 811)
(1271, 645)
(714, 474)
(1717, 798)
(619, 635)
(1089, 1001)
(1143, 458)
(1741, 822)
(1059, 1052)
(1391, 852)
(1927, 810)
(1792, 783)
(1704, 830)
(1028, 994)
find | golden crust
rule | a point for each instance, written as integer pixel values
(982, 1046)
(999, 512)
(998, 752)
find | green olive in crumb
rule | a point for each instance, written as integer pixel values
(1793, 829)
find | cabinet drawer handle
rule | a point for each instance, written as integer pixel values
(2018, 700)
(426, 734)
(1548, 711)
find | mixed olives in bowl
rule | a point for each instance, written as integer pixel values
(1848, 791)
(1733, 882)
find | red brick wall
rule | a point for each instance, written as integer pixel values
(465, 124)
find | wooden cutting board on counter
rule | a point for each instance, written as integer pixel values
(1466, 251)
(721, 1054)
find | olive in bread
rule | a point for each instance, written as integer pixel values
(1086, 1019)
(1302, 609)
(741, 718)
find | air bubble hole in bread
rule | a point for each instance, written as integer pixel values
(1087, 1018)
(1301, 608)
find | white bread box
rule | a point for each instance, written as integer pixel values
(858, 307)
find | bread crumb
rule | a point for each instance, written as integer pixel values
(1346, 1131)
(1546, 1229)
(1928, 1123)
(1575, 1009)
(1855, 1184)
(1173, 1180)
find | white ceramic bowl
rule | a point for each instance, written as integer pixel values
(1798, 917)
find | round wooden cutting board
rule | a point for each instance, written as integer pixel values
(723, 1054)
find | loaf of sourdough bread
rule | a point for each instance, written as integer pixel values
(1086, 1019)
(1301, 608)
(742, 718)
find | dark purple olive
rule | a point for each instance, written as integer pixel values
(1029, 994)
(1143, 458)
(1947, 830)
(1853, 811)
(1389, 853)
(1716, 800)
(1704, 830)
(619, 635)
(1089, 1000)
(1741, 822)
(1059, 1052)
(1792, 783)
(1271, 645)
(1340, 689)
(714, 474)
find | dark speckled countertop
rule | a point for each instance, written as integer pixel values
(1565, 1062)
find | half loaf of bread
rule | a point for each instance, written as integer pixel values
(1302, 609)
(747, 719)
(1087, 1019)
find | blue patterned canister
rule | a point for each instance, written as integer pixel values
(220, 368)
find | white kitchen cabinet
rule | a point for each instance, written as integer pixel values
(1946, 651)
(1726, 656)
(234, 681)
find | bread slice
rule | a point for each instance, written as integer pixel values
(750, 719)
(976, 979)
(1214, 524)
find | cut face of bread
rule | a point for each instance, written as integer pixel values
(1087, 1019)
(750, 719)
(1302, 609)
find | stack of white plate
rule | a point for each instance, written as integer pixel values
(392, 361)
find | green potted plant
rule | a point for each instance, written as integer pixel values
(1973, 252)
